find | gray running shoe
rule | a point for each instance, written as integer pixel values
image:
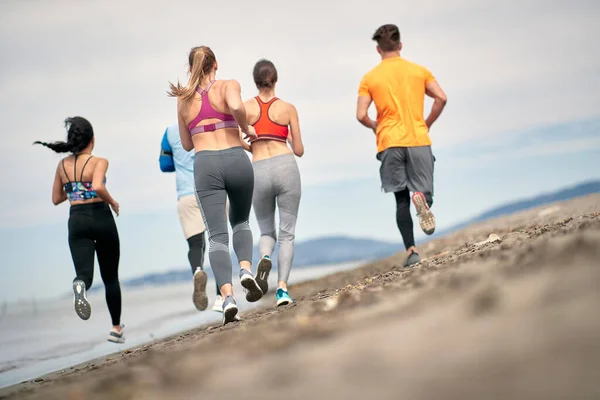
(253, 291)
(262, 273)
(200, 298)
(117, 337)
(230, 310)
(412, 259)
(80, 302)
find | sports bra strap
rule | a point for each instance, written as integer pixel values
(84, 165)
(204, 91)
(65, 170)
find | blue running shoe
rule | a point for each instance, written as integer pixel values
(283, 298)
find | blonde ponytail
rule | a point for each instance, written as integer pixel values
(201, 60)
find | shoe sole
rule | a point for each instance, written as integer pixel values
(284, 302)
(230, 314)
(426, 217)
(114, 339)
(262, 274)
(199, 297)
(253, 291)
(83, 309)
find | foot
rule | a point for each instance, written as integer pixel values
(218, 305)
(200, 298)
(413, 258)
(117, 336)
(253, 291)
(262, 273)
(282, 297)
(80, 302)
(426, 218)
(230, 310)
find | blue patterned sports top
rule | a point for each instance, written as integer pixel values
(79, 190)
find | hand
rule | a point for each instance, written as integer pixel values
(250, 134)
(115, 207)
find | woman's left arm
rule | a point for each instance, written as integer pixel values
(58, 191)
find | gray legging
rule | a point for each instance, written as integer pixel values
(277, 179)
(222, 174)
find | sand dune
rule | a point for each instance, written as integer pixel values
(515, 317)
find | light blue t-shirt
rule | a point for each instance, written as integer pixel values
(184, 163)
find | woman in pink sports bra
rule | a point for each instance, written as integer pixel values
(211, 114)
(80, 178)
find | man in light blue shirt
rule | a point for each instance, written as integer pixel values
(173, 158)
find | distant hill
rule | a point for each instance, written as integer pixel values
(340, 249)
(578, 190)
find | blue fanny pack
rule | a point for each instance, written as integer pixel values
(166, 156)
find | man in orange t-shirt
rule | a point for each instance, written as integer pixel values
(398, 88)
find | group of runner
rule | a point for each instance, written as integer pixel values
(216, 180)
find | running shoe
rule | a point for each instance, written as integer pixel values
(426, 218)
(80, 302)
(230, 310)
(117, 337)
(253, 291)
(199, 297)
(413, 258)
(262, 273)
(282, 297)
(218, 305)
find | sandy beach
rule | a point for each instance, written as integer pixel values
(512, 318)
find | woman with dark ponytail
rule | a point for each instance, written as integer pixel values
(80, 178)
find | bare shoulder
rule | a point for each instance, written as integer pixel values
(251, 102)
(101, 160)
(289, 107)
(230, 84)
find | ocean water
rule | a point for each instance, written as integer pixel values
(37, 339)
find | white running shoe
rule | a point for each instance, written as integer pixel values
(117, 337)
(218, 305)
(80, 301)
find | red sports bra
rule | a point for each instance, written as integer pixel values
(265, 128)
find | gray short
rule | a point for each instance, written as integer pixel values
(403, 167)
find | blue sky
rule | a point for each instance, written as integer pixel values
(522, 116)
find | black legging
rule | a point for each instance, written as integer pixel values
(403, 217)
(196, 253)
(92, 230)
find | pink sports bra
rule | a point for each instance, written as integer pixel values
(206, 112)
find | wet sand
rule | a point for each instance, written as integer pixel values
(515, 318)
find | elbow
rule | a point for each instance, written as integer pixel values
(299, 152)
(98, 188)
(56, 201)
(360, 116)
(187, 146)
(442, 100)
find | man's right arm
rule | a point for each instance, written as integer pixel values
(433, 90)
(362, 106)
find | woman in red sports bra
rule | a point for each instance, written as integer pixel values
(276, 176)
(211, 114)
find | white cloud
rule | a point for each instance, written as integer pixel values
(505, 66)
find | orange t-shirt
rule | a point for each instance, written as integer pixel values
(397, 87)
